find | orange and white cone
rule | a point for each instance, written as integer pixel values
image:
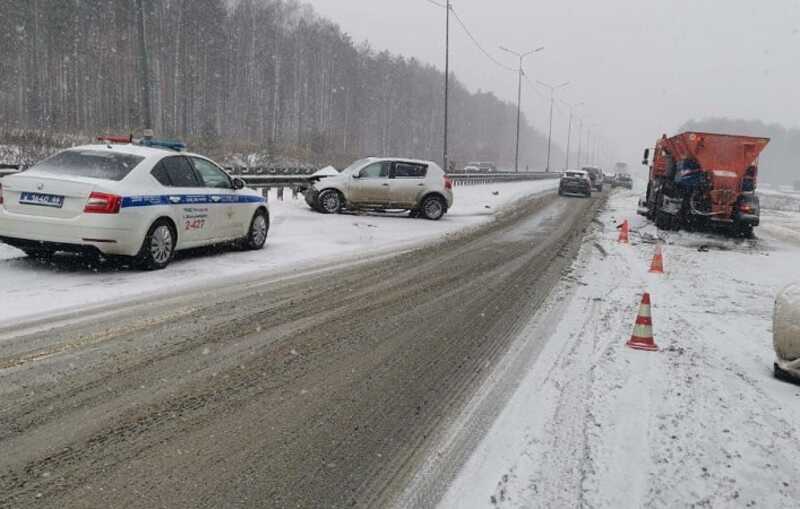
(657, 267)
(624, 232)
(642, 338)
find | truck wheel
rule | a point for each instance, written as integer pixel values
(744, 231)
(663, 220)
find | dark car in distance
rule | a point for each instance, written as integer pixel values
(575, 182)
(622, 180)
(596, 176)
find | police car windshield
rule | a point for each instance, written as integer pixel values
(88, 163)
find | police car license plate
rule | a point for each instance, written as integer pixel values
(42, 200)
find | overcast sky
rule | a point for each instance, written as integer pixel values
(642, 67)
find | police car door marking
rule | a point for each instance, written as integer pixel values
(155, 200)
(194, 218)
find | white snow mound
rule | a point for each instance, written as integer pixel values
(786, 323)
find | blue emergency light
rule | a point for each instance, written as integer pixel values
(178, 146)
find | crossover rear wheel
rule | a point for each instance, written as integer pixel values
(433, 207)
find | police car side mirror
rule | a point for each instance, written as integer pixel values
(238, 183)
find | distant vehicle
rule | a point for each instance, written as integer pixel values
(622, 180)
(480, 167)
(385, 184)
(704, 179)
(140, 201)
(575, 182)
(596, 176)
(620, 168)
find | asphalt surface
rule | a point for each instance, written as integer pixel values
(321, 390)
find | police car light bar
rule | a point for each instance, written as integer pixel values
(116, 139)
(168, 144)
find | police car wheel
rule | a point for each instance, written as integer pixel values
(158, 247)
(330, 201)
(257, 234)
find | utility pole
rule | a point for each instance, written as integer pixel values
(445, 157)
(550, 126)
(580, 142)
(521, 57)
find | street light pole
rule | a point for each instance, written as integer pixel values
(569, 132)
(550, 126)
(521, 57)
(519, 110)
(446, 86)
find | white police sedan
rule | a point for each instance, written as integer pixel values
(145, 200)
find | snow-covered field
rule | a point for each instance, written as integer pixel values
(298, 239)
(701, 423)
(780, 200)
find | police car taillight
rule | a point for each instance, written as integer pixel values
(448, 184)
(102, 203)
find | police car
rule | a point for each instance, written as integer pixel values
(144, 200)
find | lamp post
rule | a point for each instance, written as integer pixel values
(569, 131)
(446, 156)
(521, 57)
(550, 127)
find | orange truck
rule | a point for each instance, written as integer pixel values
(701, 180)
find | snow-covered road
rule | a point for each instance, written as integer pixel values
(298, 239)
(591, 423)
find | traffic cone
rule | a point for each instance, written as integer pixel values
(642, 338)
(624, 232)
(657, 267)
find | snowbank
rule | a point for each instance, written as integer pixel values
(787, 323)
(702, 422)
(298, 238)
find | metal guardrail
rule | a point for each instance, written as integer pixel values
(462, 179)
(298, 183)
(299, 179)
